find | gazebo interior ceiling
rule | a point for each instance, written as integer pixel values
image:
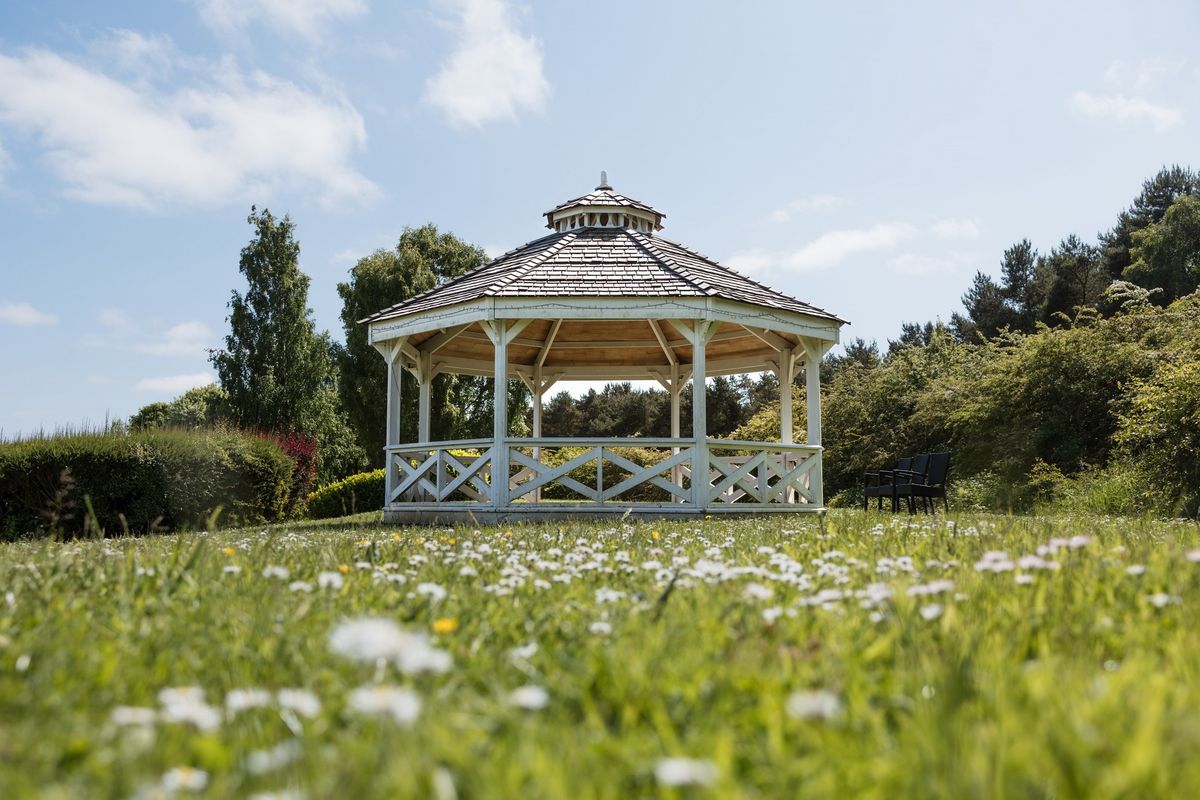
(593, 345)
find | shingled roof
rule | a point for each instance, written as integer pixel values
(608, 260)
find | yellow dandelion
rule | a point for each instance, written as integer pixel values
(395, 537)
(445, 625)
(453, 540)
(229, 551)
(654, 534)
(343, 568)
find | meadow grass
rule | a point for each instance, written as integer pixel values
(861, 656)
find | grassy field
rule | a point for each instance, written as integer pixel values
(865, 657)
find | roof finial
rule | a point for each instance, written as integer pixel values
(603, 180)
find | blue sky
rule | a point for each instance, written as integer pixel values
(867, 159)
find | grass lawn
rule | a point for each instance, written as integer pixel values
(876, 657)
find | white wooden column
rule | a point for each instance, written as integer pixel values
(701, 332)
(786, 374)
(500, 415)
(395, 372)
(812, 384)
(673, 382)
(424, 376)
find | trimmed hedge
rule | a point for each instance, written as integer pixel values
(141, 482)
(357, 493)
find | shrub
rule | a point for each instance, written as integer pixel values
(1161, 431)
(140, 481)
(361, 492)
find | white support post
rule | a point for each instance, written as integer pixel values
(537, 389)
(701, 332)
(812, 377)
(786, 374)
(499, 333)
(425, 379)
(392, 429)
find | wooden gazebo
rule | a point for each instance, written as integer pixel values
(603, 297)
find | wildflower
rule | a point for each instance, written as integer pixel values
(187, 705)
(231, 569)
(530, 698)
(259, 762)
(685, 772)
(367, 639)
(523, 653)
(820, 704)
(1135, 569)
(133, 715)
(300, 586)
(445, 625)
(343, 568)
(606, 595)
(186, 779)
(1160, 600)
(931, 611)
(402, 704)
(302, 701)
(770, 615)
(374, 639)
(1194, 556)
(330, 580)
(243, 699)
(229, 551)
(276, 572)
(1024, 579)
(756, 591)
(434, 592)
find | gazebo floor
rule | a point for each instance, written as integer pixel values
(432, 514)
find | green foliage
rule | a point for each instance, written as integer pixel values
(422, 259)
(143, 481)
(764, 426)
(351, 495)
(1166, 254)
(202, 407)
(1064, 416)
(1161, 430)
(1157, 195)
(276, 370)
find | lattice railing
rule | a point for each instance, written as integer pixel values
(599, 471)
(441, 472)
(766, 474)
(562, 473)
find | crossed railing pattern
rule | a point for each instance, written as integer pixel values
(603, 473)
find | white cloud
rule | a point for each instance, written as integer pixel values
(828, 249)
(173, 384)
(131, 52)
(304, 18)
(918, 264)
(1125, 109)
(185, 339)
(494, 71)
(1143, 76)
(115, 319)
(24, 315)
(229, 137)
(816, 202)
(5, 163)
(951, 228)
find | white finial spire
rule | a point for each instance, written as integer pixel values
(603, 180)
